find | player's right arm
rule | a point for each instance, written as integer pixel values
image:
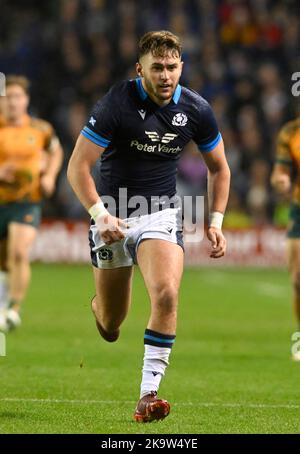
(84, 156)
(281, 175)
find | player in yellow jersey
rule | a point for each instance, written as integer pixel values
(30, 159)
(286, 179)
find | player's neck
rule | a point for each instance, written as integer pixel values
(160, 102)
(17, 121)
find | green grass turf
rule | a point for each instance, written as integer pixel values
(230, 369)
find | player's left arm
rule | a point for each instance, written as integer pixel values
(281, 177)
(218, 192)
(54, 164)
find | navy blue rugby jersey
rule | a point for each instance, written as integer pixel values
(143, 141)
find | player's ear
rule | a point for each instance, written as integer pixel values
(27, 101)
(139, 69)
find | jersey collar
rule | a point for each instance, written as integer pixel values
(25, 121)
(143, 94)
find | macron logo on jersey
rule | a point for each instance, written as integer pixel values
(92, 121)
(165, 139)
(142, 113)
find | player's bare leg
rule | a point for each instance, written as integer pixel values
(20, 240)
(112, 300)
(3, 274)
(4, 296)
(161, 264)
(293, 250)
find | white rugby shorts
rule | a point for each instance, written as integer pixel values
(163, 225)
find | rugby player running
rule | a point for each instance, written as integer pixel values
(139, 129)
(30, 159)
(285, 179)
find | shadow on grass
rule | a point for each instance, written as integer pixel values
(12, 415)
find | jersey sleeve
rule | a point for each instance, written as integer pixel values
(104, 120)
(51, 139)
(207, 135)
(283, 153)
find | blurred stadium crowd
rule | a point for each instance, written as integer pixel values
(239, 55)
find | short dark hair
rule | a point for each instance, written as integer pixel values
(21, 81)
(159, 43)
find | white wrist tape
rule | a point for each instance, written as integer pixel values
(98, 210)
(216, 219)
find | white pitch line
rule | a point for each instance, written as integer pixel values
(65, 401)
(114, 402)
(237, 405)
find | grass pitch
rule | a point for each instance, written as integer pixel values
(230, 371)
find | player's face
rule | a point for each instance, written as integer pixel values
(160, 75)
(16, 102)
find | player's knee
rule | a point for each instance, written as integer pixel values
(296, 281)
(17, 255)
(165, 297)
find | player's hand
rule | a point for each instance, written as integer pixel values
(47, 185)
(111, 228)
(218, 242)
(7, 173)
(282, 183)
